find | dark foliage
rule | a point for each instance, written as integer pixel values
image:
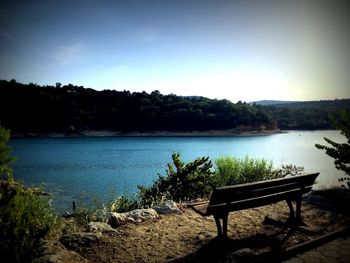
(68, 108)
(309, 115)
(182, 182)
(25, 213)
(340, 151)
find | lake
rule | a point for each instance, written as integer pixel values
(68, 167)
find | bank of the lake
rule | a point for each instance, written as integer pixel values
(69, 167)
(239, 131)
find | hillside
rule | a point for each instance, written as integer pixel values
(309, 115)
(269, 102)
(72, 109)
(69, 109)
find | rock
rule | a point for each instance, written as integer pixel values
(99, 227)
(200, 237)
(243, 253)
(134, 216)
(55, 252)
(81, 239)
(117, 219)
(167, 207)
(67, 214)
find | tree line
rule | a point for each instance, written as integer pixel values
(29, 107)
(307, 115)
(70, 108)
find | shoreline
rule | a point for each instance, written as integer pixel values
(109, 133)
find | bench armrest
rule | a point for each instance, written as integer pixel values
(200, 207)
(197, 203)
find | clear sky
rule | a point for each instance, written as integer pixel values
(237, 50)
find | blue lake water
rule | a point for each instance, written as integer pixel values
(68, 167)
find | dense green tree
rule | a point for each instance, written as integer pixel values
(310, 115)
(182, 182)
(25, 213)
(340, 151)
(69, 108)
(5, 154)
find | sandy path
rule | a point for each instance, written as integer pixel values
(190, 237)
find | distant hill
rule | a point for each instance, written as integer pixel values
(309, 115)
(331, 105)
(70, 109)
(270, 102)
(27, 108)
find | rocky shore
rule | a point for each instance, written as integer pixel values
(239, 131)
(182, 235)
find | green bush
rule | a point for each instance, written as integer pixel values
(124, 204)
(182, 182)
(232, 170)
(340, 152)
(5, 153)
(89, 210)
(26, 214)
(94, 210)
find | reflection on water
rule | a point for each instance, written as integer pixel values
(70, 166)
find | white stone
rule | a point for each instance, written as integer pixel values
(134, 216)
(99, 227)
(167, 207)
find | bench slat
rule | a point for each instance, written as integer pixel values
(309, 178)
(226, 196)
(256, 201)
(243, 191)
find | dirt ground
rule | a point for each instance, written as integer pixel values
(189, 237)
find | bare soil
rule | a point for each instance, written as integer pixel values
(189, 237)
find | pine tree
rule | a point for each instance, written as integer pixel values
(340, 151)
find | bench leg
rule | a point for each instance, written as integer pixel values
(298, 213)
(291, 210)
(298, 218)
(222, 232)
(295, 217)
(218, 225)
(224, 225)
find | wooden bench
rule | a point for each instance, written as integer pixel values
(243, 196)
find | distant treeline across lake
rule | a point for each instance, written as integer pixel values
(69, 167)
(69, 109)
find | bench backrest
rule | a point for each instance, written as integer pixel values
(228, 194)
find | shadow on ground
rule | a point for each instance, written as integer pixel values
(252, 249)
(271, 247)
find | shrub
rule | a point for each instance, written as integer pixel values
(182, 182)
(232, 170)
(340, 151)
(26, 214)
(89, 210)
(5, 153)
(124, 204)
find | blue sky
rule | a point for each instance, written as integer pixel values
(237, 50)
